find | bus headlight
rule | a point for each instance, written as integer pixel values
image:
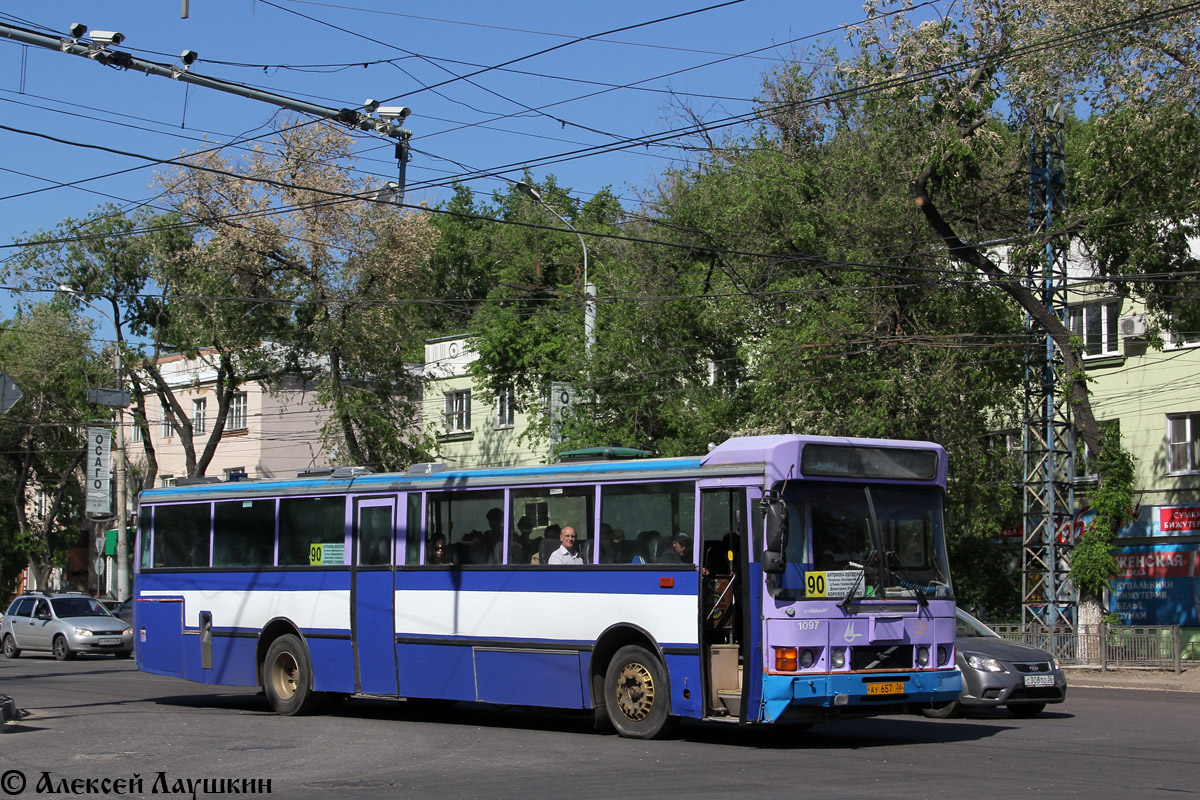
(922, 656)
(807, 657)
(943, 655)
(838, 658)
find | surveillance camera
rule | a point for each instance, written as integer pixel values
(370, 105)
(394, 112)
(105, 38)
(77, 29)
(188, 57)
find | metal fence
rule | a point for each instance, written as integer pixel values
(1103, 646)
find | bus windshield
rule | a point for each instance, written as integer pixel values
(869, 541)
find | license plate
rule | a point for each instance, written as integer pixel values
(885, 688)
(110, 640)
(1039, 680)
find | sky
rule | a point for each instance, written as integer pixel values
(494, 88)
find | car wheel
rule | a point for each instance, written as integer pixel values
(951, 709)
(1028, 710)
(10, 647)
(62, 650)
(636, 695)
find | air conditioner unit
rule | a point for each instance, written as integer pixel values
(1133, 326)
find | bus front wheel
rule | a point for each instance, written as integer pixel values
(636, 694)
(287, 677)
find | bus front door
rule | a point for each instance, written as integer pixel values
(374, 596)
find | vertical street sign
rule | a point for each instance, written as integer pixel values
(99, 496)
(562, 400)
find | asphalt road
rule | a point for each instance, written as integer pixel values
(97, 718)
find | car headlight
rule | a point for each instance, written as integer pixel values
(983, 663)
(1053, 662)
(127, 630)
(83, 631)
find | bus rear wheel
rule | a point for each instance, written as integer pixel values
(287, 677)
(636, 694)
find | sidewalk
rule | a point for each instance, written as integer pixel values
(1133, 678)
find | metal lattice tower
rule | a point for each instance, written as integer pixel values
(1047, 595)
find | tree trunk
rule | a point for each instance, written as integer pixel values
(1088, 631)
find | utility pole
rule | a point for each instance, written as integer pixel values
(1048, 604)
(98, 46)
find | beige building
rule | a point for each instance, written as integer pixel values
(270, 432)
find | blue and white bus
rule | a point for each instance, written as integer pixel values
(778, 579)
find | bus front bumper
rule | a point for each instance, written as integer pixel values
(819, 697)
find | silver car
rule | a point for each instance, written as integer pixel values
(999, 672)
(64, 624)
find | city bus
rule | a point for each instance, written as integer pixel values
(775, 580)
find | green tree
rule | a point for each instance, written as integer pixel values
(45, 352)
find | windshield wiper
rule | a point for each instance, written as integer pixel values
(845, 601)
(904, 578)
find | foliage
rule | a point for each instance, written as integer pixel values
(322, 270)
(648, 381)
(45, 352)
(1092, 562)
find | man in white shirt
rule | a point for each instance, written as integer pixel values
(568, 551)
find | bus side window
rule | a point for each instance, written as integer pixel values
(312, 531)
(181, 535)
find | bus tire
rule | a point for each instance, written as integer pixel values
(951, 709)
(636, 694)
(10, 647)
(62, 650)
(287, 677)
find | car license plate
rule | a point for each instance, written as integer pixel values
(1039, 680)
(885, 688)
(108, 641)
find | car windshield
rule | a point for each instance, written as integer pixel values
(78, 607)
(969, 626)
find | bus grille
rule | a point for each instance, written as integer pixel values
(894, 656)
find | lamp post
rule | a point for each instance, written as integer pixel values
(589, 291)
(122, 523)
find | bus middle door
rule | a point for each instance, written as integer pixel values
(373, 596)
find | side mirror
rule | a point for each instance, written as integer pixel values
(775, 519)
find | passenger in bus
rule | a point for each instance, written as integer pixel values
(611, 541)
(437, 553)
(494, 535)
(680, 551)
(648, 546)
(568, 551)
(519, 547)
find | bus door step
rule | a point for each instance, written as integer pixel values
(732, 700)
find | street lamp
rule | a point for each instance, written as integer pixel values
(589, 291)
(122, 523)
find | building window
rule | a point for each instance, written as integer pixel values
(235, 473)
(236, 420)
(504, 408)
(1183, 443)
(458, 411)
(166, 480)
(167, 429)
(1086, 460)
(135, 429)
(1096, 324)
(199, 423)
